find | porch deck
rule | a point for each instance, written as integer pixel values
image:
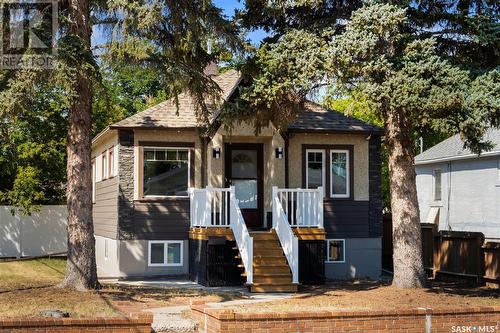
(268, 260)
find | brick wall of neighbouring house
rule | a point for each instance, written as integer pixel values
(485, 319)
(136, 323)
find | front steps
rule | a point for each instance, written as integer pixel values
(271, 272)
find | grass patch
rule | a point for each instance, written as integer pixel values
(15, 275)
(29, 286)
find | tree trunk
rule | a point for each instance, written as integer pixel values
(408, 264)
(81, 273)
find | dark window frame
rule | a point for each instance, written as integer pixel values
(328, 148)
(167, 145)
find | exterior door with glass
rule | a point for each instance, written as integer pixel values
(244, 168)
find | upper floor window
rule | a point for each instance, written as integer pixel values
(498, 171)
(315, 168)
(329, 167)
(94, 179)
(166, 171)
(339, 177)
(437, 184)
(111, 162)
(104, 165)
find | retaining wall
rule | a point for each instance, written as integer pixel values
(484, 319)
(136, 323)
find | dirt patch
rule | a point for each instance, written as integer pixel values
(29, 303)
(140, 298)
(365, 295)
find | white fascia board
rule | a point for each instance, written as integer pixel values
(457, 158)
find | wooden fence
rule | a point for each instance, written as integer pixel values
(462, 255)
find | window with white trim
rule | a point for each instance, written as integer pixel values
(111, 162)
(166, 171)
(335, 250)
(104, 165)
(165, 253)
(498, 171)
(339, 173)
(315, 168)
(94, 178)
(436, 173)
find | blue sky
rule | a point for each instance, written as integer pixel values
(228, 7)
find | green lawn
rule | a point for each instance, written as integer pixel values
(30, 286)
(31, 273)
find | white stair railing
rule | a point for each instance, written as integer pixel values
(289, 242)
(243, 239)
(209, 207)
(303, 207)
(218, 207)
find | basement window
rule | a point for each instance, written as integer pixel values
(335, 250)
(165, 253)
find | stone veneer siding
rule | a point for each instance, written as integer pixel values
(375, 186)
(126, 185)
(212, 320)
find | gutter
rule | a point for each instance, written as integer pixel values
(457, 158)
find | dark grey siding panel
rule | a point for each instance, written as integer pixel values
(375, 186)
(166, 219)
(346, 218)
(105, 209)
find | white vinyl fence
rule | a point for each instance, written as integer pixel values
(42, 233)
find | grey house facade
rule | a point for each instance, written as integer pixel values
(458, 190)
(164, 192)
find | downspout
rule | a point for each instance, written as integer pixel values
(287, 175)
(448, 200)
(204, 143)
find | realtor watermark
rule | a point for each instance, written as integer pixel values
(474, 329)
(28, 31)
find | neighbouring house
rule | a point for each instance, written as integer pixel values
(458, 190)
(269, 210)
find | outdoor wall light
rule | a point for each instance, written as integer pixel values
(279, 153)
(216, 153)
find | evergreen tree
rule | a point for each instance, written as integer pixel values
(407, 83)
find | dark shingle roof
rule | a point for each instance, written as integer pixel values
(318, 118)
(313, 118)
(454, 147)
(165, 115)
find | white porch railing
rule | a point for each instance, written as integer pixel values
(218, 207)
(302, 207)
(242, 236)
(289, 242)
(209, 207)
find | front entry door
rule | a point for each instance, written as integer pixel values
(244, 168)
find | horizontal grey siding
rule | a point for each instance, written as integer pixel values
(105, 209)
(166, 219)
(346, 218)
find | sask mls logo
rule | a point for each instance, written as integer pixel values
(28, 33)
(473, 329)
